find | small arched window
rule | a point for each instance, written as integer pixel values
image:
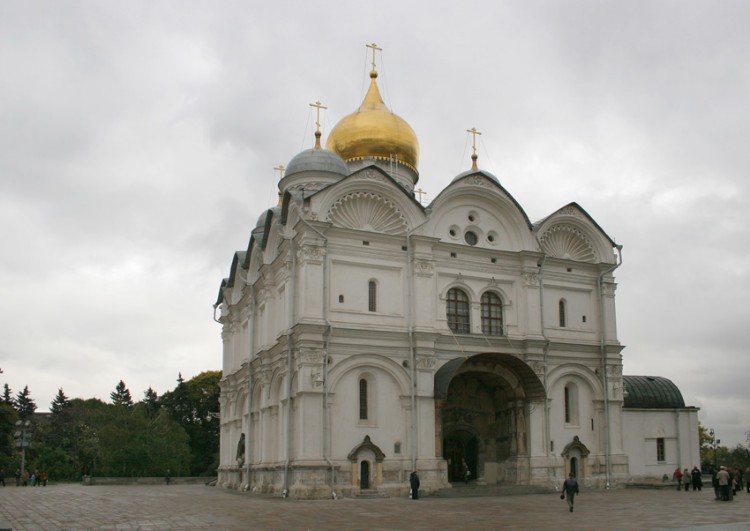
(372, 296)
(561, 310)
(457, 311)
(492, 314)
(362, 399)
(571, 403)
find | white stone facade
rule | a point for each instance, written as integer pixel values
(366, 336)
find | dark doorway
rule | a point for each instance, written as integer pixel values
(574, 466)
(461, 447)
(364, 475)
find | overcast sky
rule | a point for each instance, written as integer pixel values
(138, 141)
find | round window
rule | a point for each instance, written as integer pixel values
(471, 238)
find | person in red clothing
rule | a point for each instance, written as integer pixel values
(677, 476)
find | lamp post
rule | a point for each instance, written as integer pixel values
(23, 440)
(714, 443)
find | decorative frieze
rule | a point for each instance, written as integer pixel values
(538, 367)
(311, 254)
(477, 180)
(372, 175)
(609, 288)
(424, 268)
(310, 355)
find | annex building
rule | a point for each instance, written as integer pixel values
(366, 335)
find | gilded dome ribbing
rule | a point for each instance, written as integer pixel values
(374, 131)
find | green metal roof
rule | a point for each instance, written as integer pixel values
(651, 392)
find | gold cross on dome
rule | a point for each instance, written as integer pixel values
(474, 134)
(280, 168)
(373, 47)
(318, 106)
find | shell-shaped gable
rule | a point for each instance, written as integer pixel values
(368, 200)
(367, 211)
(571, 234)
(567, 242)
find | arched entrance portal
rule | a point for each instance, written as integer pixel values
(483, 412)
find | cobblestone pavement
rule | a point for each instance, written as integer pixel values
(195, 507)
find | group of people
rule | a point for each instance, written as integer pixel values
(23, 479)
(688, 478)
(728, 481)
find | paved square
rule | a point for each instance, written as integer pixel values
(191, 507)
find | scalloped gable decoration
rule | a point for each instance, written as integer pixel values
(568, 243)
(367, 211)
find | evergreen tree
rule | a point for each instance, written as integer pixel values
(25, 405)
(60, 403)
(151, 402)
(8, 417)
(121, 396)
(8, 396)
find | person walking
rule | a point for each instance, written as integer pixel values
(686, 479)
(414, 484)
(569, 490)
(723, 479)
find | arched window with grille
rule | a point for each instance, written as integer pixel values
(372, 296)
(562, 307)
(492, 314)
(457, 311)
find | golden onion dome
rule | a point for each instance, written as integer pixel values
(373, 131)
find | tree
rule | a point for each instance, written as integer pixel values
(8, 418)
(133, 444)
(25, 405)
(60, 403)
(8, 396)
(193, 404)
(151, 402)
(121, 396)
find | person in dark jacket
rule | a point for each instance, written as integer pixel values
(570, 489)
(414, 484)
(696, 479)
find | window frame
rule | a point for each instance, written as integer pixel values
(458, 311)
(562, 310)
(492, 325)
(661, 450)
(372, 295)
(364, 399)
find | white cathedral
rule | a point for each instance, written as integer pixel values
(366, 336)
